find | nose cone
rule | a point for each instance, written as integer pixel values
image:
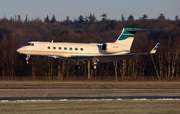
(19, 50)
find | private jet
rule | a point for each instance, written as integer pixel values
(79, 52)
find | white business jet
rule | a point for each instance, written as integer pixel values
(78, 52)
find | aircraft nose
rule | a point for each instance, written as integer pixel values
(19, 50)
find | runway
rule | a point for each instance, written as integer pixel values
(23, 99)
(87, 98)
(90, 88)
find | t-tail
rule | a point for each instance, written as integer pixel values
(126, 38)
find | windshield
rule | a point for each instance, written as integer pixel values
(29, 44)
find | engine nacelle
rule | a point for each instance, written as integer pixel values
(112, 48)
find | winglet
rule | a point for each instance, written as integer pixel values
(154, 49)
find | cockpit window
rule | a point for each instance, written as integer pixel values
(29, 44)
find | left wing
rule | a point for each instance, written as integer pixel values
(110, 58)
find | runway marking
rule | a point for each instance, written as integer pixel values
(64, 88)
(140, 99)
(117, 99)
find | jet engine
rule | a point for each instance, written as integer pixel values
(112, 48)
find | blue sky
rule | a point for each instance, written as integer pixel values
(74, 8)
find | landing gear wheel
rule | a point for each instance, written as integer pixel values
(94, 63)
(93, 67)
(27, 58)
(78, 67)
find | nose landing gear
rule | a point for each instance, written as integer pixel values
(27, 58)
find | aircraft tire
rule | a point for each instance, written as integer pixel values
(78, 67)
(93, 67)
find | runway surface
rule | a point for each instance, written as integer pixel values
(95, 88)
(21, 99)
(33, 99)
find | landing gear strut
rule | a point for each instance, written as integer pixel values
(94, 63)
(27, 58)
(77, 67)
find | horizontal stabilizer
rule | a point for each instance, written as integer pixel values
(137, 29)
(154, 49)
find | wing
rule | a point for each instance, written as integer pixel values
(110, 58)
(107, 58)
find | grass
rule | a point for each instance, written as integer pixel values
(31, 84)
(92, 107)
(86, 93)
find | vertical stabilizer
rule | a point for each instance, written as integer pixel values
(126, 37)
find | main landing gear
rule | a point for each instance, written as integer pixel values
(78, 67)
(93, 64)
(27, 58)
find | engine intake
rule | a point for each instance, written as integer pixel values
(111, 48)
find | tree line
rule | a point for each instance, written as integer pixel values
(165, 64)
(87, 19)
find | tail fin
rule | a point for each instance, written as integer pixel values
(127, 36)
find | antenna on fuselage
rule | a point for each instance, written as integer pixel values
(52, 41)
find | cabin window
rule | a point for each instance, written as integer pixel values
(49, 47)
(65, 48)
(76, 49)
(81, 49)
(54, 47)
(70, 48)
(32, 44)
(59, 48)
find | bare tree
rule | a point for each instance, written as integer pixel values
(115, 69)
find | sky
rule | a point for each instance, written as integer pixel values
(74, 8)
